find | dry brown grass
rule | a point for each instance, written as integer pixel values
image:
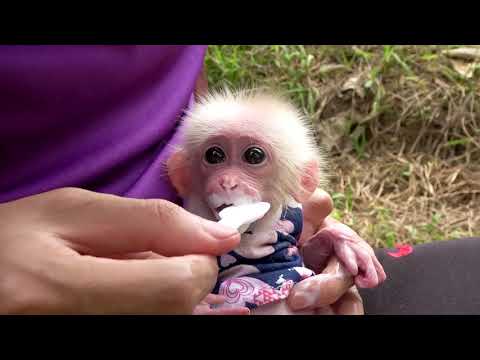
(401, 124)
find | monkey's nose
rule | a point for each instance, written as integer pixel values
(229, 186)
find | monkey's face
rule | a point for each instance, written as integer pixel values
(240, 148)
(235, 169)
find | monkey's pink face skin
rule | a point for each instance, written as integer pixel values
(235, 170)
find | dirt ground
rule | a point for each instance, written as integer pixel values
(401, 125)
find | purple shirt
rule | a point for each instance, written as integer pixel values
(97, 117)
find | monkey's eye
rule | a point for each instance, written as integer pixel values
(214, 155)
(254, 155)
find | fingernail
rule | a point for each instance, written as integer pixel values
(218, 230)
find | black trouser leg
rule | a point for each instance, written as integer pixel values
(437, 278)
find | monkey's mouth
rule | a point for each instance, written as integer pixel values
(221, 207)
(218, 203)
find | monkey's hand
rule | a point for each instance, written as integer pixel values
(330, 292)
(204, 307)
(355, 254)
(324, 236)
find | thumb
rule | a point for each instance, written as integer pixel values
(321, 290)
(318, 206)
(100, 224)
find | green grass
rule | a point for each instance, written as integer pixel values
(399, 92)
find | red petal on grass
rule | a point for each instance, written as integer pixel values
(402, 250)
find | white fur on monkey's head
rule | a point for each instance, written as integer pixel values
(272, 116)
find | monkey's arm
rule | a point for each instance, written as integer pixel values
(324, 236)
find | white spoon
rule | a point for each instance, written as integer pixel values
(241, 216)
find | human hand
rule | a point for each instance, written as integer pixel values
(322, 238)
(331, 292)
(76, 251)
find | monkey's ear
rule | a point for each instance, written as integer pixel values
(309, 181)
(179, 172)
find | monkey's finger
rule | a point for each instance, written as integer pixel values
(156, 286)
(317, 207)
(378, 267)
(226, 311)
(367, 276)
(101, 224)
(214, 299)
(382, 276)
(349, 304)
(347, 256)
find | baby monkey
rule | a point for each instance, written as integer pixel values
(247, 146)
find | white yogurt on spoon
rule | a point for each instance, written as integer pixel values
(240, 217)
